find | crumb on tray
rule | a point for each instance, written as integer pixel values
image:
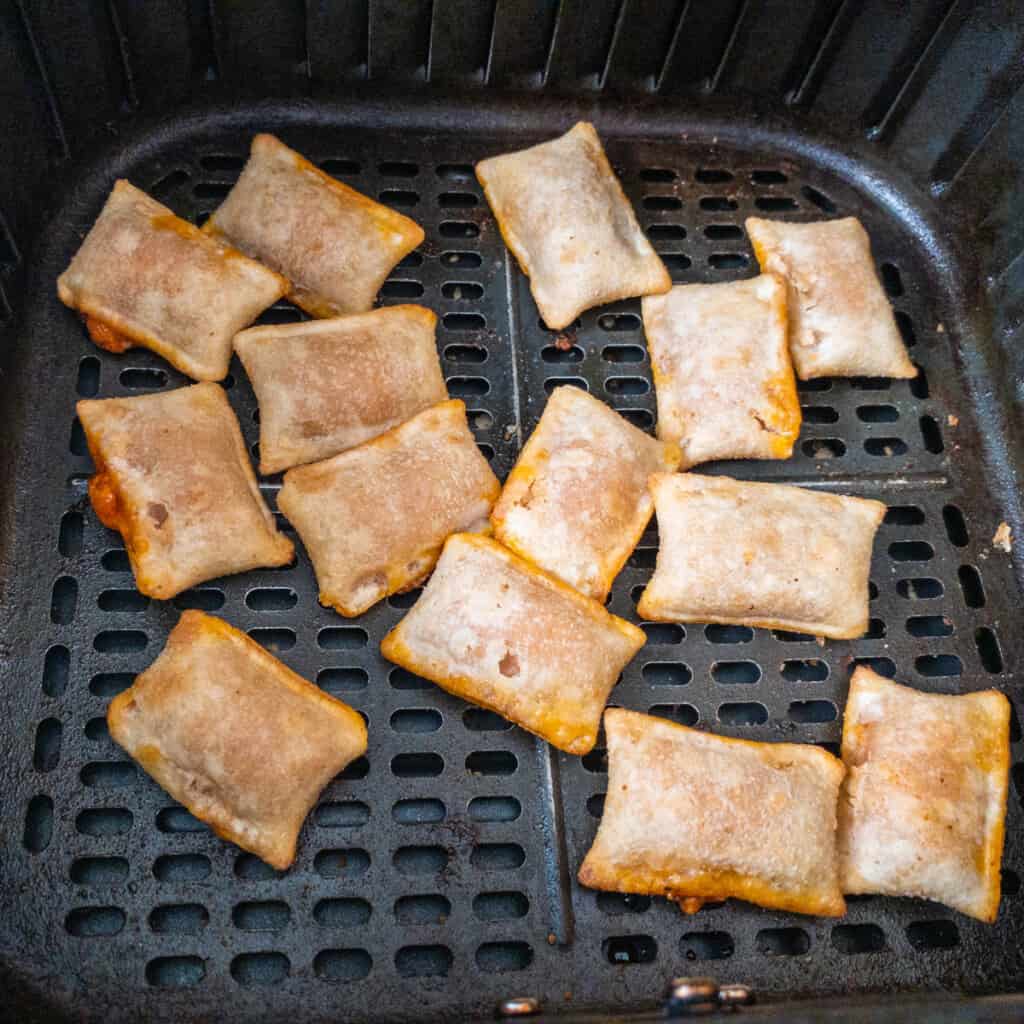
(1003, 538)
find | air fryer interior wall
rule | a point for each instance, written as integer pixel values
(436, 877)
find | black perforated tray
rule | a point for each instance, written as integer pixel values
(436, 876)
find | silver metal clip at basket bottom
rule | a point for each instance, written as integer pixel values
(690, 997)
(519, 1006)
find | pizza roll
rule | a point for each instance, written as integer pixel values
(325, 386)
(374, 518)
(146, 277)
(174, 479)
(722, 372)
(700, 818)
(493, 629)
(577, 502)
(563, 213)
(924, 800)
(840, 321)
(335, 245)
(758, 554)
(234, 735)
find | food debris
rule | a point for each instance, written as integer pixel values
(953, 421)
(820, 641)
(1003, 538)
(552, 938)
(563, 343)
(940, 328)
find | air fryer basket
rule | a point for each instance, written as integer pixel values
(436, 876)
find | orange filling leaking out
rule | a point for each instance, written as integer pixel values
(103, 496)
(112, 512)
(106, 337)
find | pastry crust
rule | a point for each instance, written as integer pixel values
(146, 277)
(374, 518)
(577, 501)
(174, 479)
(699, 818)
(841, 323)
(722, 371)
(758, 554)
(335, 245)
(328, 385)
(562, 212)
(924, 801)
(236, 736)
(495, 630)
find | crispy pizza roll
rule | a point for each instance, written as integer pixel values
(174, 479)
(234, 735)
(577, 501)
(146, 277)
(374, 518)
(722, 372)
(335, 245)
(563, 213)
(756, 554)
(700, 818)
(922, 808)
(327, 385)
(840, 322)
(495, 630)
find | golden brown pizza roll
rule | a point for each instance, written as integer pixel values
(145, 277)
(327, 385)
(563, 213)
(722, 372)
(234, 735)
(700, 818)
(840, 322)
(758, 554)
(374, 518)
(335, 245)
(495, 630)
(174, 479)
(922, 808)
(577, 501)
